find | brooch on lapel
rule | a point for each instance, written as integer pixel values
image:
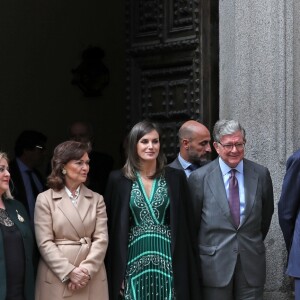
(20, 218)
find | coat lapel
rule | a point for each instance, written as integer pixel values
(84, 202)
(15, 214)
(121, 210)
(173, 193)
(69, 211)
(250, 184)
(216, 184)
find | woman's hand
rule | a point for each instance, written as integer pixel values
(79, 278)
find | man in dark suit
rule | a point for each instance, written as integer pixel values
(26, 179)
(233, 206)
(289, 217)
(101, 164)
(194, 140)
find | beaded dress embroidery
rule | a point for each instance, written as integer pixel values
(149, 272)
(4, 218)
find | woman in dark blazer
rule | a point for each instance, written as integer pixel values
(152, 242)
(16, 243)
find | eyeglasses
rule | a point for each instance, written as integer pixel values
(41, 148)
(229, 147)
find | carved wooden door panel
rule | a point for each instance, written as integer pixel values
(172, 64)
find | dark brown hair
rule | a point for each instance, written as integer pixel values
(63, 153)
(133, 161)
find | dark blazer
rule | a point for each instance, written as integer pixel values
(18, 187)
(101, 165)
(183, 238)
(289, 213)
(12, 206)
(219, 241)
(176, 164)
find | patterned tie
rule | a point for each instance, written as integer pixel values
(234, 198)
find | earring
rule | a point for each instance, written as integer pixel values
(64, 171)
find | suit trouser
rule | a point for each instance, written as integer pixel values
(237, 289)
(297, 288)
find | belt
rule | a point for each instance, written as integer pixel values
(83, 241)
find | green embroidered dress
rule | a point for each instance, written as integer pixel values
(149, 272)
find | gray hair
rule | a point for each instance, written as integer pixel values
(224, 127)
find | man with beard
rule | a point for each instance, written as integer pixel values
(194, 140)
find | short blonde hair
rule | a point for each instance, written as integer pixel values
(6, 194)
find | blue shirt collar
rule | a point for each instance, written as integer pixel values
(225, 168)
(185, 164)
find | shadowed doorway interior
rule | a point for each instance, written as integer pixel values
(172, 64)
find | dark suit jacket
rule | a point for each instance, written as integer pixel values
(101, 165)
(219, 241)
(176, 164)
(289, 213)
(18, 188)
(183, 238)
(28, 241)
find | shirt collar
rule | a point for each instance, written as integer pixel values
(226, 169)
(185, 164)
(70, 194)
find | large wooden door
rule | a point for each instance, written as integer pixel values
(172, 64)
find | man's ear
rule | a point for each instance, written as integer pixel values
(185, 143)
(216, 146)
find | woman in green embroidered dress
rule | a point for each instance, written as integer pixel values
(151, 253)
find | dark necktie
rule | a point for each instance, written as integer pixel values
(234, 198)
(34, 188)
(192, 167)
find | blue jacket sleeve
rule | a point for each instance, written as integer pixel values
(288, 205)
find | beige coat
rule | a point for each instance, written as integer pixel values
(67, 237)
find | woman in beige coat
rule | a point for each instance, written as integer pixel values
(71, 231)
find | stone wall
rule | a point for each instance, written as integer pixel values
(259, 72)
